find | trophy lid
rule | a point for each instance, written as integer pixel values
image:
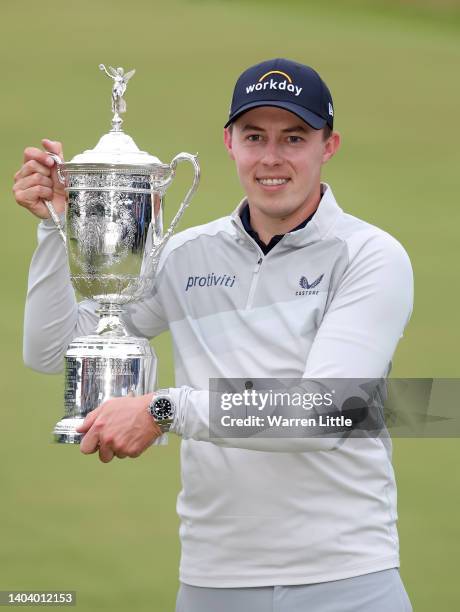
(117, 148)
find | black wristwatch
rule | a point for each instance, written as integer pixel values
(162, 409)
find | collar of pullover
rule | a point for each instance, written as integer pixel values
(312, 229)
(246, 221)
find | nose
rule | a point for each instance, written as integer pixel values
(271, 155)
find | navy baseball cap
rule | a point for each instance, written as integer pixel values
(285, 84)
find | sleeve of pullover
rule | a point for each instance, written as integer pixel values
(52, 315)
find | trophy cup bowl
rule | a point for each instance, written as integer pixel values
(114, 239)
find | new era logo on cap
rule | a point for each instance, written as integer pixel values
(284, 84)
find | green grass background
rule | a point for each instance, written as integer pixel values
(110, 531)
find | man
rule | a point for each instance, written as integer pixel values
(313, 293)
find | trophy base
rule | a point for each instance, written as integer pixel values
(98, 368)
(65, 431)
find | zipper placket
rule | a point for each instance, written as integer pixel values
(256, 270)
(255, 277)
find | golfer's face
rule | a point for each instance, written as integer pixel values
(278, 158)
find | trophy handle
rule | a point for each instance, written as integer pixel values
(193, 159)
(53, 214)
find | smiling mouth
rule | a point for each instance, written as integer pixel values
(270, 182)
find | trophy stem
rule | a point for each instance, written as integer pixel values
(116, 123)
(110, 324)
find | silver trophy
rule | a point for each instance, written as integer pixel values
(114, 239)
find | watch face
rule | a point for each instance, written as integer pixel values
(162, 408)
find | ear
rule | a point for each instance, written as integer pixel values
(331, 146)
(228, 142)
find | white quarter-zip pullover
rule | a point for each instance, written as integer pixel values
(265, 511)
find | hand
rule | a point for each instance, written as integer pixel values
(37, 180)
(120, 427)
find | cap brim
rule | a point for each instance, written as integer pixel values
(315, 121)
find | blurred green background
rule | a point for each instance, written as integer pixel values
(110, 531)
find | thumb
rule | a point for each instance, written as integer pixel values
(89, 420)
(53, 146)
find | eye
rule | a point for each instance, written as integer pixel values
(295, 139)
(254, 137)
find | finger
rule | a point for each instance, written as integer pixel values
(31, 167)
(89, 420)
(135, 452)
(31, 196)
(90, 442)
(32, 153)
(105, 454)
(120, 455)
(32, 180)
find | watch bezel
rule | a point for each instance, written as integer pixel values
(155, 408)
(164, 422)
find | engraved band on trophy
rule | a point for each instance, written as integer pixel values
(114, 238)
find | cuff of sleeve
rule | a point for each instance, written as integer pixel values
(49, 223)
(179, 397)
